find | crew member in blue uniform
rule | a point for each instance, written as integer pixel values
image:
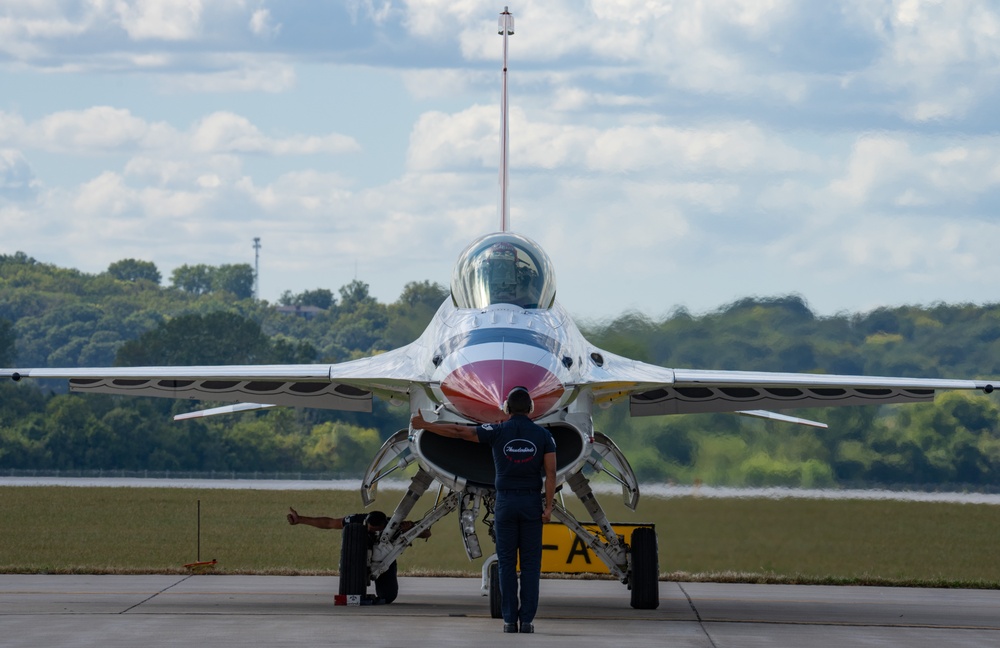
(522, 452)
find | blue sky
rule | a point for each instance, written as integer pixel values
(665, 154)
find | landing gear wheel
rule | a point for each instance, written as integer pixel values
(645, 577)
(496, 610)
(354, 560)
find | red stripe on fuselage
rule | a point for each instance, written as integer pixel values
(477, 390)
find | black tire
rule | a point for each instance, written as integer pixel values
(645, 578)
(354, 560)
(496, 609)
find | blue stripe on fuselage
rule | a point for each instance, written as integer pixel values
(488, 335)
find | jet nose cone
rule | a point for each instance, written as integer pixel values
(478, 389)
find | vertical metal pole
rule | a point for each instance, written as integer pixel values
(506, 28)
(199, 530)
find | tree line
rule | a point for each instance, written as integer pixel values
(52, 316)
(955, 440)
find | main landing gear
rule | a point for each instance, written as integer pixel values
(635, 562)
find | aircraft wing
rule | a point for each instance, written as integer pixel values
(654, 390)
(345, 386)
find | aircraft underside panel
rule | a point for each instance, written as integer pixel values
(699, 400)
(472, 463)
(324, 395)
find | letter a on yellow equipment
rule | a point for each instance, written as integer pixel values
(564, 552)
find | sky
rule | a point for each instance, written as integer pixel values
(666, 155)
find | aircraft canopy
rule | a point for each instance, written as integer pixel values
(503, 268)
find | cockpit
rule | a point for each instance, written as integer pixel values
(503, 268)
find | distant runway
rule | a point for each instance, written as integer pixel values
(666, 491)
(151, 611)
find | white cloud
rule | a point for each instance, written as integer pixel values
(95, 130)
(235, 74)
(438, 84)
(225, 132)
(262, 24)
(689, 44)
(17, 179)
(174, 36)
(922, 250)
(943, 56)
(659, 149)
(26, 25)
(107, 194)
(884, 171)
(377, 11)
(302, 193)
(572, 98)
(161, 204)
(209, 181)
(170, 20)
(104, 129)
(440, 141)
(738, 147)
(11, 126)
(175, 169)
(436, 18)
(933, 59)
(469, 137)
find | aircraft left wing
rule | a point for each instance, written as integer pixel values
(345, 386)
(654, 390)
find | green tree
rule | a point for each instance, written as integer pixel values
(214, 339)
(194, 279)
(361, 329)
(268, 442)
(236, 279)
(134, 270)
(320, 298)
(355, 295)
(73, 435)
(340, 447)
(285, 350)
(17, 259)
(412, 312)
(129, 436)
(7, 338)
(423, 293)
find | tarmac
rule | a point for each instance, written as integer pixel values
(219, 610)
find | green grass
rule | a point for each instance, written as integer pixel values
(143, 530)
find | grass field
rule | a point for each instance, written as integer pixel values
(143, 530)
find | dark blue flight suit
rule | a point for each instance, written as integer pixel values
(519, 446)
(386, 585)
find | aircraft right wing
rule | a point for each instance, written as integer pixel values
(654, 390)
